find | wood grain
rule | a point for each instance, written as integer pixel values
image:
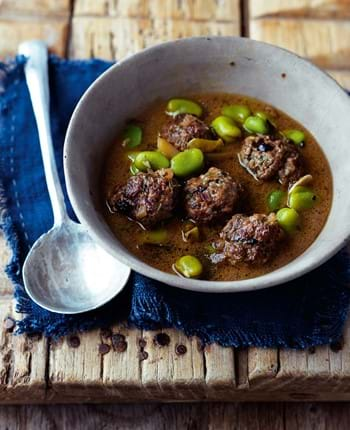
(322, 9)
(121, 28)
(22, 362)
(75, 367)
(115, 38)
(53, 31)
(209, 10)
(175, 368)
(263, 366)
(326, 43)
(203, 416)
(220, 379)
(46, 8)
(121, 369)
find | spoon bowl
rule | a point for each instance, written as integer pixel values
(66, 272)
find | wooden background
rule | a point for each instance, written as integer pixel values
(137, 365)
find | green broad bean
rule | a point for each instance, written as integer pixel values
(151, 160)
(132, 155)
(255, 124)
(276, 200)
(154, 237)
(302, 198)
(266, 118)
(261, 115)
(187, 163)
(189, 266)
(288, 219)
(133, 169)
(238, 113)
(132, 136)
(300, 189)
(178, 106)
(226, 128)
(296, 136)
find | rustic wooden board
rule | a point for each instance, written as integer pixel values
(45, 8)
(203, 416)
(322, 9)
(194, 10)
(327, 45)
(120, 364)
(115, 29)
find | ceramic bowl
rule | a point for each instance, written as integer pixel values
(219, 64)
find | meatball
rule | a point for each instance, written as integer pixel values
(182, 128)
(250, 239)
(146, 197)
(266, 158)
(211, 196)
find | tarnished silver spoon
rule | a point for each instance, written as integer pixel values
(65, 270)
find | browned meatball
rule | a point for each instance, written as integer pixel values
(250, 239)
(211, 196)
(146, 197)
(267, 158)
(182, 128)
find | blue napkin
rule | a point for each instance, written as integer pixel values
(305, 312)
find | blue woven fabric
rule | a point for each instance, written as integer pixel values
(305, 312)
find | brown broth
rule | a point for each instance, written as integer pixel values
(116, 171)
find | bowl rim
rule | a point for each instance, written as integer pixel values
(270, 279)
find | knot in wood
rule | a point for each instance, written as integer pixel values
(104, 348)
(180, 349)
(73, 341)
(162, 339)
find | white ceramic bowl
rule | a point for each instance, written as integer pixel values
(227, 64)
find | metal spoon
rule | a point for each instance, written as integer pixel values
(65, 271)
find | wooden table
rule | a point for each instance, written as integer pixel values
(134, 366)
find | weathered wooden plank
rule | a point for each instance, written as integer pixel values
(302, 371)
(46, 8)
(121, 358)
(333, 9)
(76, 366)
(326, 43)
(173, 364)
(220, 368)
(263, 366)
(113, 38)
(6, 288)
(22, 360)
(224, 10)
(53, 31)
(339, 360)
(203, 416)
(241, 368)
(293, 367)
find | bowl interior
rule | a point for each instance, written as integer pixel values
(231, 65)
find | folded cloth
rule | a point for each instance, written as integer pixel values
(308, 311)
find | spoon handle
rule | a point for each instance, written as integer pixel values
(36, 73)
